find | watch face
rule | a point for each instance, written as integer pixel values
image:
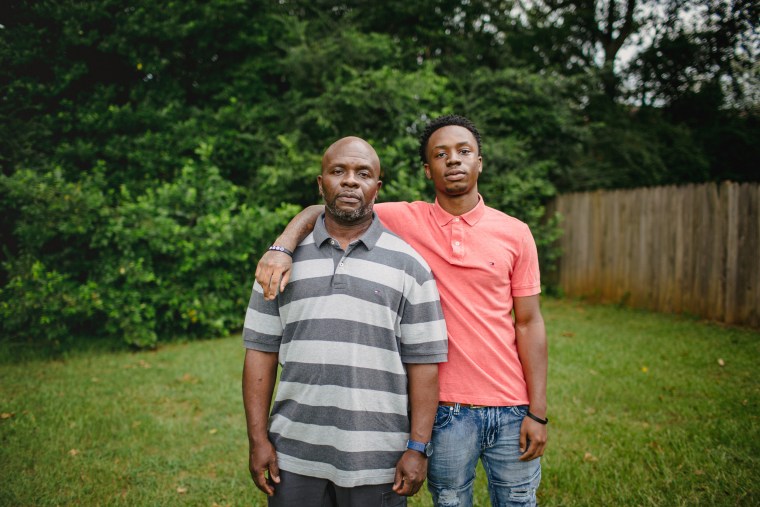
(428, 449)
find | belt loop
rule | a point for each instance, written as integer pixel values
(457, 406)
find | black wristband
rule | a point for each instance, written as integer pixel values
(282, 249)
(538, 419)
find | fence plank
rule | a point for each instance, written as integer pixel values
(732, 247)
(692, 249)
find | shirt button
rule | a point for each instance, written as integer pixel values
(341, 264)
(456, 220)
(456, 243)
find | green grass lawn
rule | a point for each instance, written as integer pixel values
(645, 409)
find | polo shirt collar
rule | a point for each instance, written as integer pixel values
(369, 238)
(472, 217)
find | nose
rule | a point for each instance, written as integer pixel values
(349, 179)
(453, 158)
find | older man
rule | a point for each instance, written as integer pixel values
(359, 332)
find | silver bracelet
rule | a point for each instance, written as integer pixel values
(282, 249)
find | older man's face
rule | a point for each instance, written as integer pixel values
(350, 181)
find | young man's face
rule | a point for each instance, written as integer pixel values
(454, 162)
(350, 181)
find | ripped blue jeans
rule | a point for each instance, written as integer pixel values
(463, 435)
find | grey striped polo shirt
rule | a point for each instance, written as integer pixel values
(343, 327)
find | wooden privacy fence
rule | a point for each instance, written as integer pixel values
(692, 249)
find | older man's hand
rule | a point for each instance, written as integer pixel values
(411, 471)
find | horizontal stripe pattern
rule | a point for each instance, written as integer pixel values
(345, 398)
(343, 327)
(263, 322)
(345, 441)
(418, 333)
(312, 268)
(339, 307)
(342, 419)
(353, 377)
(421, 353)
(345, 478)
(351, 332)
(392, 242)
(343, 461)
(341, 353)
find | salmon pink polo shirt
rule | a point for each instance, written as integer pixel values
(480, 260)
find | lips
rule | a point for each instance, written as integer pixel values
(349, 198)
(455, 175)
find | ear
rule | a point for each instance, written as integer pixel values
(427, 171)
(480, 164)
(319, 184)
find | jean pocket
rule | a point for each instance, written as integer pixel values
(391, 499)
(442, 417)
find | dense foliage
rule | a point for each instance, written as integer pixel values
(150, 151)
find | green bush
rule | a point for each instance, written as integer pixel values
(177, 259)
(117, 219)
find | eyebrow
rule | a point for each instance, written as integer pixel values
(358, 168)
(363, 167)
(460, 143)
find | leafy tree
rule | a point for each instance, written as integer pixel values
(150, 151)
(698, 43)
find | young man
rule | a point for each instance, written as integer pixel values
(493, 387)
(359, 332)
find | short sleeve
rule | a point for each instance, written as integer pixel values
(423, 328)
(526, 278)
(263, 327)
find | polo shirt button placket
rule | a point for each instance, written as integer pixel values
(339, 277)
(457, 236)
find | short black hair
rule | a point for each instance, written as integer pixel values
(445, 121)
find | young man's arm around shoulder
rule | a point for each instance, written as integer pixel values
(532, 350)
(273, 270)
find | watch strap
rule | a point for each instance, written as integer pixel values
(424, 448)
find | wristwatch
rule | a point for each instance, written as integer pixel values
(426, 449)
